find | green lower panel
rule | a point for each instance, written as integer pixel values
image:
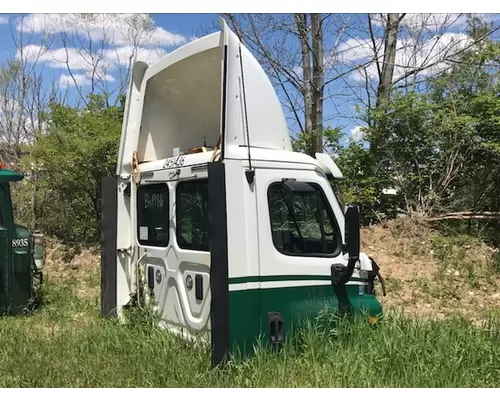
(248, 309)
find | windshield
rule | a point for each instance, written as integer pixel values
(302, 223)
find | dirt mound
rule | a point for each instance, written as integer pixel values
(400, 248)
(427, 273)
(69, 264)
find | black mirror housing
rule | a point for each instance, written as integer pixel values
(352, 232)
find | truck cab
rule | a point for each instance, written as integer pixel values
(213, 217)
(21, 254)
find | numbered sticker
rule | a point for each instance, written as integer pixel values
(174, 162)
(20, 243)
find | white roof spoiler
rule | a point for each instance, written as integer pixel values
(328, 165)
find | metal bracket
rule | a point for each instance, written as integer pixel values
(337, 273)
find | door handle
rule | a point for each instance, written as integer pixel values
(276, 327)
(198, 287)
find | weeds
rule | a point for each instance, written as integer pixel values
(67, 344)
(393, 284)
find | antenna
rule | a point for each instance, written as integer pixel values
(250, 173)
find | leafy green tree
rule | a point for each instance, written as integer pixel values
(80, 148)
(331, 141)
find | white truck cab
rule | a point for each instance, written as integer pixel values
(234, 234)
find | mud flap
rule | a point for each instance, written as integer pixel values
(217, 239)
(108, 246)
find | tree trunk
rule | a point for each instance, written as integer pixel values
(387, 71)
(317, 84)
(301, 20)
(386, 76)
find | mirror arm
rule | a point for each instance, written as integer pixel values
(340, 276)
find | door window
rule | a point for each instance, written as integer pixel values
(192, 215)
(302, 222)
(153, 215)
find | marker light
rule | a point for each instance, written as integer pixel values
(38, 250)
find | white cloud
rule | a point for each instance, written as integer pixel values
(12, 127)
(78, 79)
(433, 21)
(162, 37)
(417, 20)
(357, 133)
(32, 52)
(101, 64)
(117, 39)
(429, 54)
(57, 58)
(74, 59)
(3, 20)
(355, 49)
(116, 29)
(425, 42)
(120, 56)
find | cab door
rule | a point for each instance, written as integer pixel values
(300, 229)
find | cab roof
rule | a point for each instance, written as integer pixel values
(9, 175)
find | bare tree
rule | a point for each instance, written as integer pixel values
(386, 71)
(99, 50)
(24, 96)
(298, 53)
(403, 51)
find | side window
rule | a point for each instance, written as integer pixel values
(303, 223)
(192, 215)
(153, 215)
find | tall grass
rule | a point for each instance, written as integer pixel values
(67, 344)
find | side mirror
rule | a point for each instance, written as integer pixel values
(352, 232)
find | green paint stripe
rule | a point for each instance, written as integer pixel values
(280, 278)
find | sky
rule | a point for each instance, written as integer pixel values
(352, 48)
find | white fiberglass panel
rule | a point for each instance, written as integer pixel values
(182, 107)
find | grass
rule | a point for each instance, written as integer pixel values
(67, 344)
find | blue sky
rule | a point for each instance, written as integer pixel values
(185, 24)
(342, 53)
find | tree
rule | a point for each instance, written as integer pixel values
(437, 145)
(92, 40)
(24, 95)
(291, 48)
(79, 148)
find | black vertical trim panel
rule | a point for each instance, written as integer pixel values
(217, 239)
(108, 245)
